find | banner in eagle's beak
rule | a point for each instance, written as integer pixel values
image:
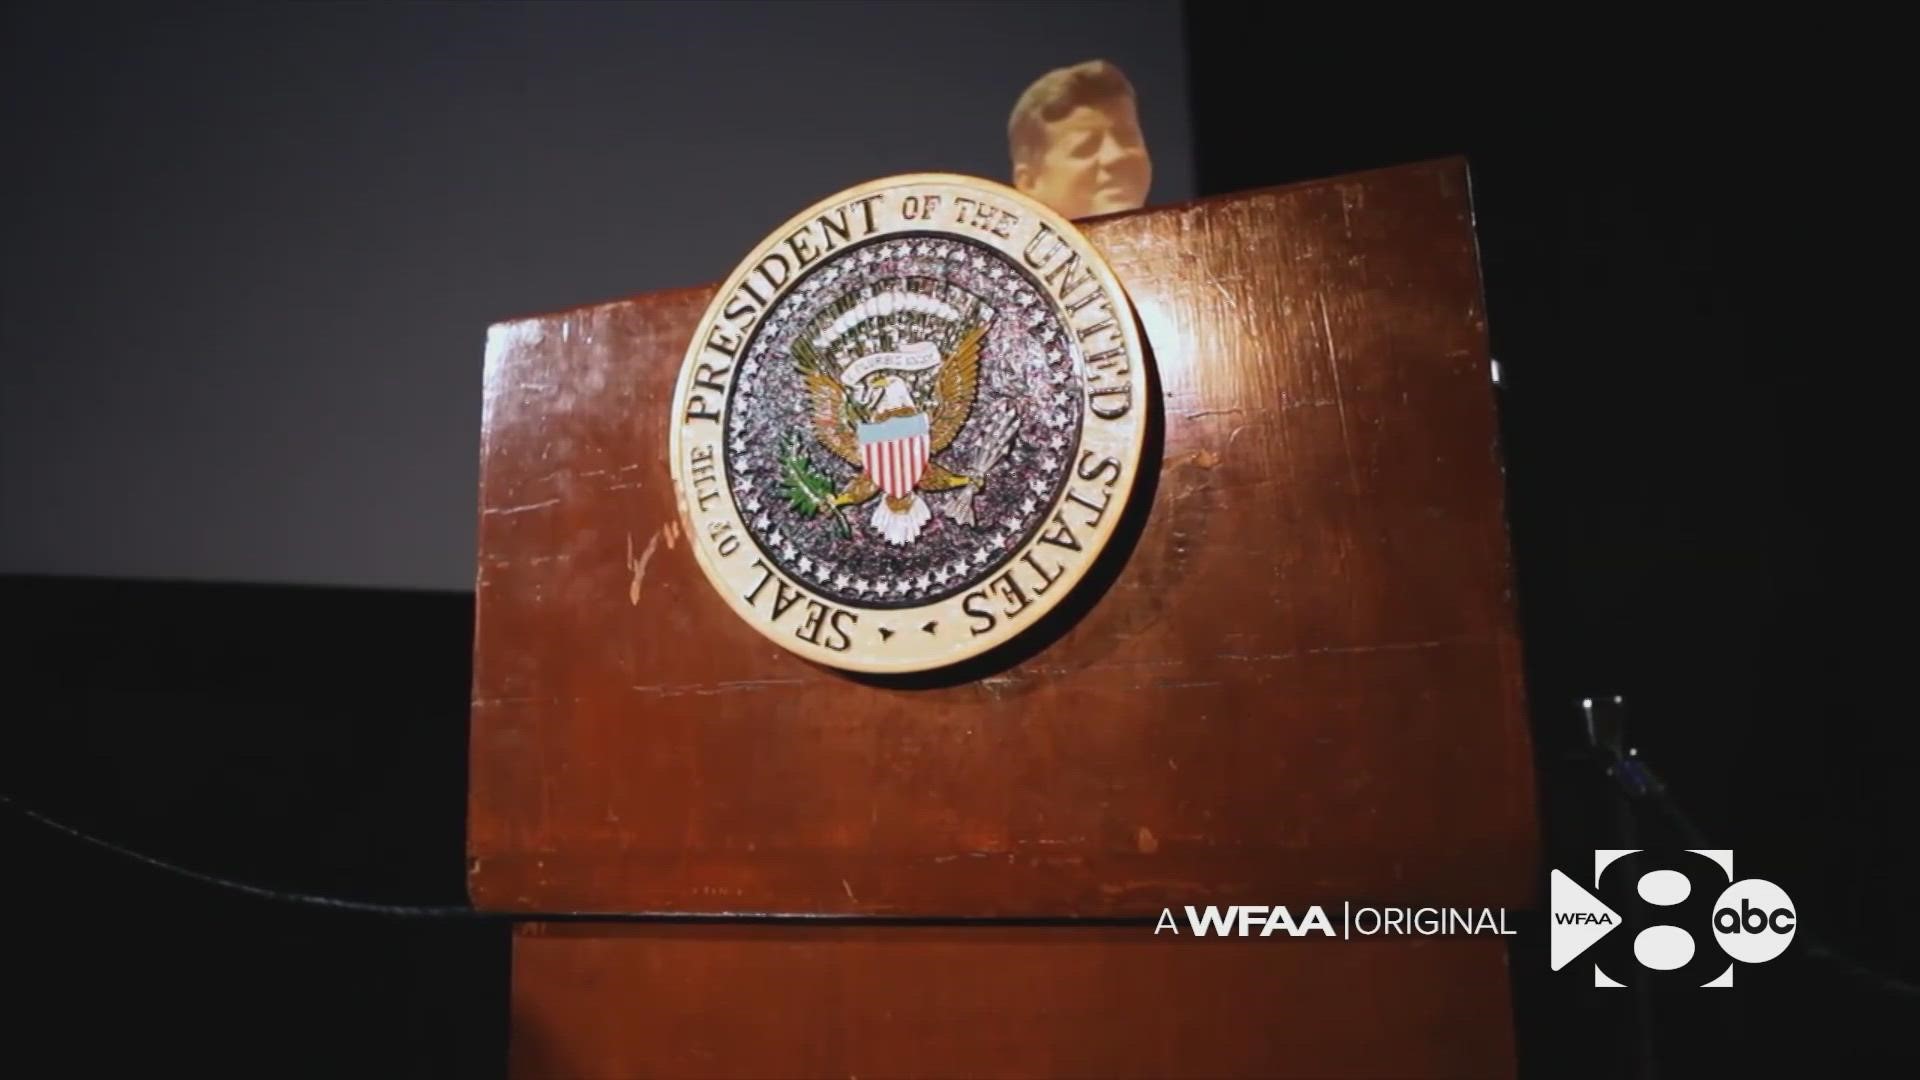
(919, 356)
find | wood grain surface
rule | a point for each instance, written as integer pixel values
(1296, 680)
(986, 1002)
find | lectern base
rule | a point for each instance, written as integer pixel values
(758, 1001)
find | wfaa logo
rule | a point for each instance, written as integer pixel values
(1245, 920)
(1679, 914)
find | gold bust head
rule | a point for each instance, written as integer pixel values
(1076, 142)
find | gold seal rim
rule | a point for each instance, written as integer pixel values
(1121, 497)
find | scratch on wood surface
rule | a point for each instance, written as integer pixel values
(1224, 294)
(715, 688)
(639, 567)
(1391, 646)
(1205, 459)
(1118, 888)
(506, 511)
(849, 888)
(1020, 677)
(1339, 397)
(1143, 838)
(673, 533)
(994, 684)
(488, 702)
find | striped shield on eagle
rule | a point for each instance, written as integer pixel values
(894, 452)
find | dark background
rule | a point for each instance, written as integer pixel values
(1678, 237)
(253, 249)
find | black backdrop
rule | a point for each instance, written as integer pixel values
(303, 740)
(1671, 289)
(1677, 237)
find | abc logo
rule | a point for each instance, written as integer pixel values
(1685, 918)
(1753, 921)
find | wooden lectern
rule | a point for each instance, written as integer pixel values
(1301, 685)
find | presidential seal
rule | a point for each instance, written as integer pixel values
(909, 423)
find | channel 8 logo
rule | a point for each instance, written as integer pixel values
(1680, 915)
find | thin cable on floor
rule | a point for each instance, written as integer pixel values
(459, 912)
(412, 911)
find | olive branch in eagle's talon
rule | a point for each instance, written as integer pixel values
(807, 491)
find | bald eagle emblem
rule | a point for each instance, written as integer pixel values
(891, 380)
